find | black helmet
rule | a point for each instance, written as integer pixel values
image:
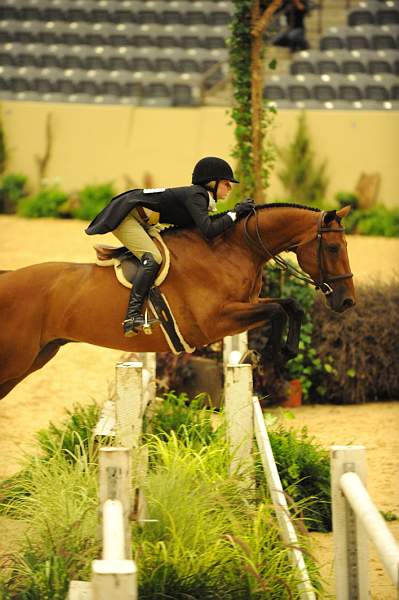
(212, 168)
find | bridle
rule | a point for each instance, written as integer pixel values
(324, 279)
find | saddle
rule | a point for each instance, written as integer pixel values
(125, 266)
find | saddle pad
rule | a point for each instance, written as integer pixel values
(125, 265)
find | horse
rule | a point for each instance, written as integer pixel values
(212, 288)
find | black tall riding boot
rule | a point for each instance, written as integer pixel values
(145, 277)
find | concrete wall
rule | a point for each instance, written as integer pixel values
(103, 143)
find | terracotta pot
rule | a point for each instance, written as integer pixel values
(294, 394)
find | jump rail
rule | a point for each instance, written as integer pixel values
(244, 417)
(355, 520)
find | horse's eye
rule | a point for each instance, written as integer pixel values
(333, 248)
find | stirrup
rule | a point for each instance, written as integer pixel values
(147, 327)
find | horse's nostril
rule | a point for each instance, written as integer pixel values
(348, 303)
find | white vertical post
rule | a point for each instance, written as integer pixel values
(350, 539)
(287, 529)
(114, 579)
(239, 417)
(115, 484)
(129, 403)
(234, 343)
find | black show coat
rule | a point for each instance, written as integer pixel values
(183, 206)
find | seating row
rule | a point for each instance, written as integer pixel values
(346, 62)
(116, 11)
(140, 88)
(373, 37)
(374, 12)
(330, 88)
(192, 60)
(53, 32)
(336, 105)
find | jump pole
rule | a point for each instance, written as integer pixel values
(244, 417)
(355, 520)
(279, 500)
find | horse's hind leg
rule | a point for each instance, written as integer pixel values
(46, 353)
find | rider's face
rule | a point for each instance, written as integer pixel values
(224, 188)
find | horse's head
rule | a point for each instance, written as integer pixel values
(325, 259)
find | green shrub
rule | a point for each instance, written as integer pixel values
(176, 413)
(12, 189)
(362, 346)
(377, 220)
(209, 538)
(304, 469)
(91, 200)
(304, 181)
(45, 203)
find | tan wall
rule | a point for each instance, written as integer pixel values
(118, 143)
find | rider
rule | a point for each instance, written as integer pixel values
(131, 214)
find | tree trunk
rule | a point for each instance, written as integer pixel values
(258, 25)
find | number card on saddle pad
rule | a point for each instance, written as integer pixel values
(125, 265)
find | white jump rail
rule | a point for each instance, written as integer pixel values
(115, 574)
(244, 417)
(355, 520)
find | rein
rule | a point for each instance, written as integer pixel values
(324, 279)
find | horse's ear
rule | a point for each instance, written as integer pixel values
(343, 212)
(329, 217)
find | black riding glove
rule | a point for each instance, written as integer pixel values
(242, 209)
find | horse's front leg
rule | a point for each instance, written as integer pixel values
(295, 317)
(241, 316)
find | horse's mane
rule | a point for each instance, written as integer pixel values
(178, 228)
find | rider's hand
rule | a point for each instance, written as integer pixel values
(242, 209)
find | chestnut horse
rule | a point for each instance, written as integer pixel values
(212, 288)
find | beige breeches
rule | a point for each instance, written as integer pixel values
(132, 232)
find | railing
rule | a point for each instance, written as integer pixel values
(355, 520)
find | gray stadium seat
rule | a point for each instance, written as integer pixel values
(305, 62)
(365, 13)
(384, 61)
(334, 39)
(150, 12)
(383, 87)
(275, 88)
(386, 37)
(388, 13)
(330, 61)
(360, 37)
(157, 94)
(355, 62)
(352, 88)
(300, 87)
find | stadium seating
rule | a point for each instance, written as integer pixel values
(165, 51)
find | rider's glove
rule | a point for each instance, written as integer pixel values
(242, 209)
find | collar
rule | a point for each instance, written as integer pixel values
(212, 202)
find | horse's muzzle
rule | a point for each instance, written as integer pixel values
(340, 306)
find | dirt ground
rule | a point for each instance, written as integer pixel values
(81, 372)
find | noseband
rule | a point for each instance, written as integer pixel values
(324, 278)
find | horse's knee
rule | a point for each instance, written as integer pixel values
(292, 305)
(278, 314)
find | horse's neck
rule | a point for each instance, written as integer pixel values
(282, 228)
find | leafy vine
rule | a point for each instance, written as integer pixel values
(251, 115)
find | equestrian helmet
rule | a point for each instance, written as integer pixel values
(212, 168)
